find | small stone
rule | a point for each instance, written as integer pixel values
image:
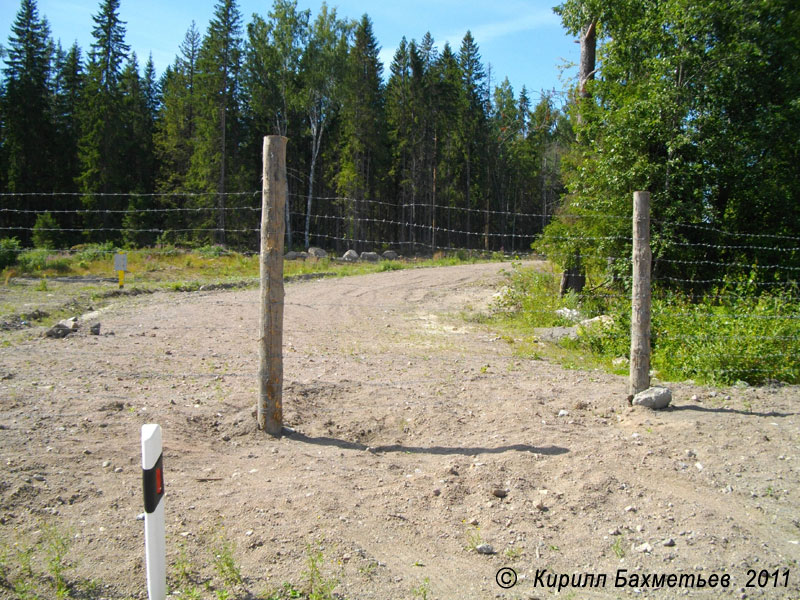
(485, 549)
(645, 548)
(499, 493)
(656, 398)
(563, 413)
(249, 532)
(118, 470)
(346, 557)
(140, 517)
(87, 451)
(614, 531)
(437, 492)
(630, 509)
(669, 543)
(474, 522)
(539, 505)
(95, 329)
(694, 398)
(38, 477)
(106, 464)
(691, 454)
(698, 466)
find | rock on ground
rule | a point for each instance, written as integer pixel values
(317, 252)
(63, 328)
(350, 255)
(370, 256)
(656, 398)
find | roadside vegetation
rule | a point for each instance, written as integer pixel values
(730, 334)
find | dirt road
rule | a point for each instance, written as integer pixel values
(419, 437)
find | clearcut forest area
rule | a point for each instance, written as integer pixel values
(419, 435)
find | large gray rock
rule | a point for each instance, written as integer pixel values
(350, 255)
(655, 397)
(292, 255)
(370, 256)
(390, 255)
(317, 252)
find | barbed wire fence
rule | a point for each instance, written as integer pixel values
(707, 303)
(336, 222)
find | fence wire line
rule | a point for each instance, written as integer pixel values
(353, 222)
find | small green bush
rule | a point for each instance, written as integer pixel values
(38, 260)
(212, 251)
(46, 232)
(87, 253)
(9, 252)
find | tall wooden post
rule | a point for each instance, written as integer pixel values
(270, 343)
(640, 302)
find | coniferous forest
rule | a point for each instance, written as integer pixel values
(696, 102)
(373, 159)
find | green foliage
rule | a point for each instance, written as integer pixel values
(57, 549)
(422, 590)
(317, 585)
(617, 548)
(94, 252)
(728, 335)
(45, 231)
(688, 107)
(725, 338)
(36, 261)
(225, 564)
(40, 570)
(9, 252)
(212, 251)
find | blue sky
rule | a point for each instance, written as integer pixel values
(521, 39)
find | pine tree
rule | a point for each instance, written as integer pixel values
(218, 120)
(67, 93)
(100, 125)
(473, 117)
(175, 123)
(102, 142)
(27, 117)
(67, 97)
(364, 137)
(448, 160)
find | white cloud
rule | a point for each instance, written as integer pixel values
(487, 32)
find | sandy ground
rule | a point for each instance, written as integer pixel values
(418, 437)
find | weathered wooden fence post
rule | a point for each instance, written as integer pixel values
(640, 302)
(270, 343)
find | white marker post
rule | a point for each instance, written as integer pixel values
(155, 545)
(120, 266)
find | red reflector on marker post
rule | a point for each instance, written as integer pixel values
(154, 531)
